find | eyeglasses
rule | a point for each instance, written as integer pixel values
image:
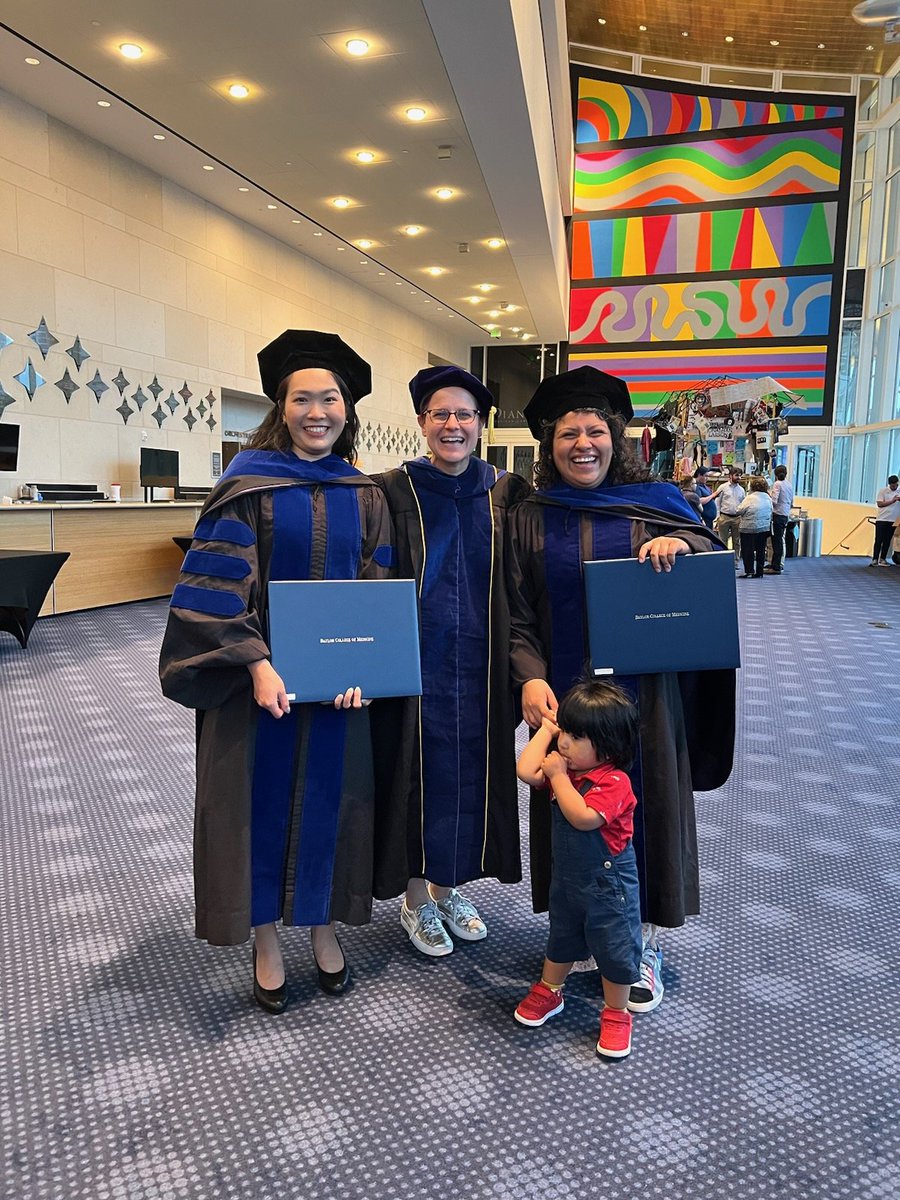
(440, 416)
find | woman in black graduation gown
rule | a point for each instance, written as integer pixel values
(285, 803)
(454, 770)
(594, 501)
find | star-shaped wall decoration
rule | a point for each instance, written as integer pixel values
(121, 382)
(210, 397)
(189, 419)
(211, 422)
(97, 386)
(5, 340)
(125, 410)
(158, 415)
(139, 398)
(185, 392)
(30, 379)
(43, 338)
(77, 353)
(67, 385)
(155, 388)
(171, 402)
(202, 409)
(5, 399)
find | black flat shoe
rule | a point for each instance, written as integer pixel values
(273, 1000)
(333, 983)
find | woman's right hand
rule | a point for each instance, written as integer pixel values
(268, 688)
(538, 702)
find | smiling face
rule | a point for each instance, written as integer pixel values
(578, 752)
(314, 412)
(582, 449)
(450, 443)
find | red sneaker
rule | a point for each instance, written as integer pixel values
(615, 1034)
(539, 1005)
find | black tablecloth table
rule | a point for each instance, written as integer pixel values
(26, 577)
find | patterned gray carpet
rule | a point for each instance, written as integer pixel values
(136, 1065)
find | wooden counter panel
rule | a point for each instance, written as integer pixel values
(118, 555)
(27, 530)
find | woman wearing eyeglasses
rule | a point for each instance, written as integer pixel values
(455, 764)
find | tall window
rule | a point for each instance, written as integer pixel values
(840, 468)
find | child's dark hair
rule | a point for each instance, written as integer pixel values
(603, 713)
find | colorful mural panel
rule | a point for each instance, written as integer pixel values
(609, 112)
(651, 374)
(733, 239)
(704, 311)
(776, 164)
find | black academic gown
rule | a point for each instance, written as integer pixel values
(284, 813)
(451, 755)
(549, 541)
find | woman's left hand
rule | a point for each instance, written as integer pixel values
(352, 698)
(662, 552)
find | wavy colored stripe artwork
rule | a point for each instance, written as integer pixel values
(708, 311)
(775, 164)
(735, 239)
(651, 375)
(609, 112)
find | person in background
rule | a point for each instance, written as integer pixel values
(728, 496)
(782, 501)
(888, 502)
(285, 801)
(708, 509)
(689, 488)
(595, 501)
(755, 514)
(454, 762)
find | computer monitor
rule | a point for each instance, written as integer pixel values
(9, 447)
(159, 468)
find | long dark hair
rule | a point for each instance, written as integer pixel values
(602, 712)
(273, 434)
(623, 468)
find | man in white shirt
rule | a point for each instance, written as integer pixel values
(782, 495)
(728, 496)
(888, 502)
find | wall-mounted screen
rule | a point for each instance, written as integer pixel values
(9, 447)
(159, 468)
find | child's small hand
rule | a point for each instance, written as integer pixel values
(550, 726)
(554, 764)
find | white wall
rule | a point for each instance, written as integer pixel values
(156, 281)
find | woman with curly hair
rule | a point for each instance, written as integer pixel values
(595, 501)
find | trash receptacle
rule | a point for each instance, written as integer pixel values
(811, 538)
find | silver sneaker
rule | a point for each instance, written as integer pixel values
(462, 916)
(425, 929)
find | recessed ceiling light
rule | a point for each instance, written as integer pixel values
(103, 104)
(642, 28)
(774, 42)
(416, 114)
(444, 193)
(821, 46)
(271, 206)
(475, 299)
(489, 327)
(427, 301)
(365, 156)
(495, 243)
(382, 272)
(357, 47)
(317, 233)
(365, 244)
(208, 167)
(340, 248)
(159, 137)
(515, 329)
(495, 312)
(412, 230)
(33, 62)
(485, 287)
(398, 282)
(435, 270)
(601, 20)
(296, 221)
(729, 38)
(239, 91)
(243, 189)
(130, 50)
(684, 33)
(413, 293)
(870, 47)
(341, 202)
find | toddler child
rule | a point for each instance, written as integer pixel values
(594, 898)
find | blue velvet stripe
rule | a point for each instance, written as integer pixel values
(344, 532)
(292, 530)
(278, 464)
(273, 788)
(383, 555)
(224, 530)
(454, 614)
(565, 589)
(210, 601)
(219, 566)
(321, 808)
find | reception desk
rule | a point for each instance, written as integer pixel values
(117, 552)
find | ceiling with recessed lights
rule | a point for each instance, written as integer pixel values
(803, 35)
(332, 125)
